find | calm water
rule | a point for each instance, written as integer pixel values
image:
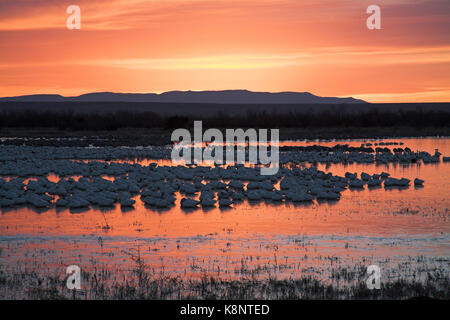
(385, 227)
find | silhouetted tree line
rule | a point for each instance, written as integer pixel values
(69, 120)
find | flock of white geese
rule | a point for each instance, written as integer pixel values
(100, 177)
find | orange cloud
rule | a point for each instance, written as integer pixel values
(322, 46)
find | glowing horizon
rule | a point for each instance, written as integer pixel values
(138, 46)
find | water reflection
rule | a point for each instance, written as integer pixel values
(369, 223)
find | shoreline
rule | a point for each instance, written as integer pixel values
(133, 137)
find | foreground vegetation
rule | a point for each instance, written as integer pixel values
(145, 287)
(141, 283)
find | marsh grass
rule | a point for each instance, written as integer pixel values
(142, 282)
(139, 285)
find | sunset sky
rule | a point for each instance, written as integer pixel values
(320, 46)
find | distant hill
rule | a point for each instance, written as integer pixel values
(213, 97)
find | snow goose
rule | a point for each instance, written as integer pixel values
(225, 202)
(254, 195)
(189, 203)
(61, 202)
(207, 202)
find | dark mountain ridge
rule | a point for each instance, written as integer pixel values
(215, 97)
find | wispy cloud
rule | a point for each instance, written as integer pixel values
(345, 55)
(321, 46)
(427, 95)
(120, 14)
(214, 62)
(319, 56)
(130, 14)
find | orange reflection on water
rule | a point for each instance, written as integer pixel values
(360, 220)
